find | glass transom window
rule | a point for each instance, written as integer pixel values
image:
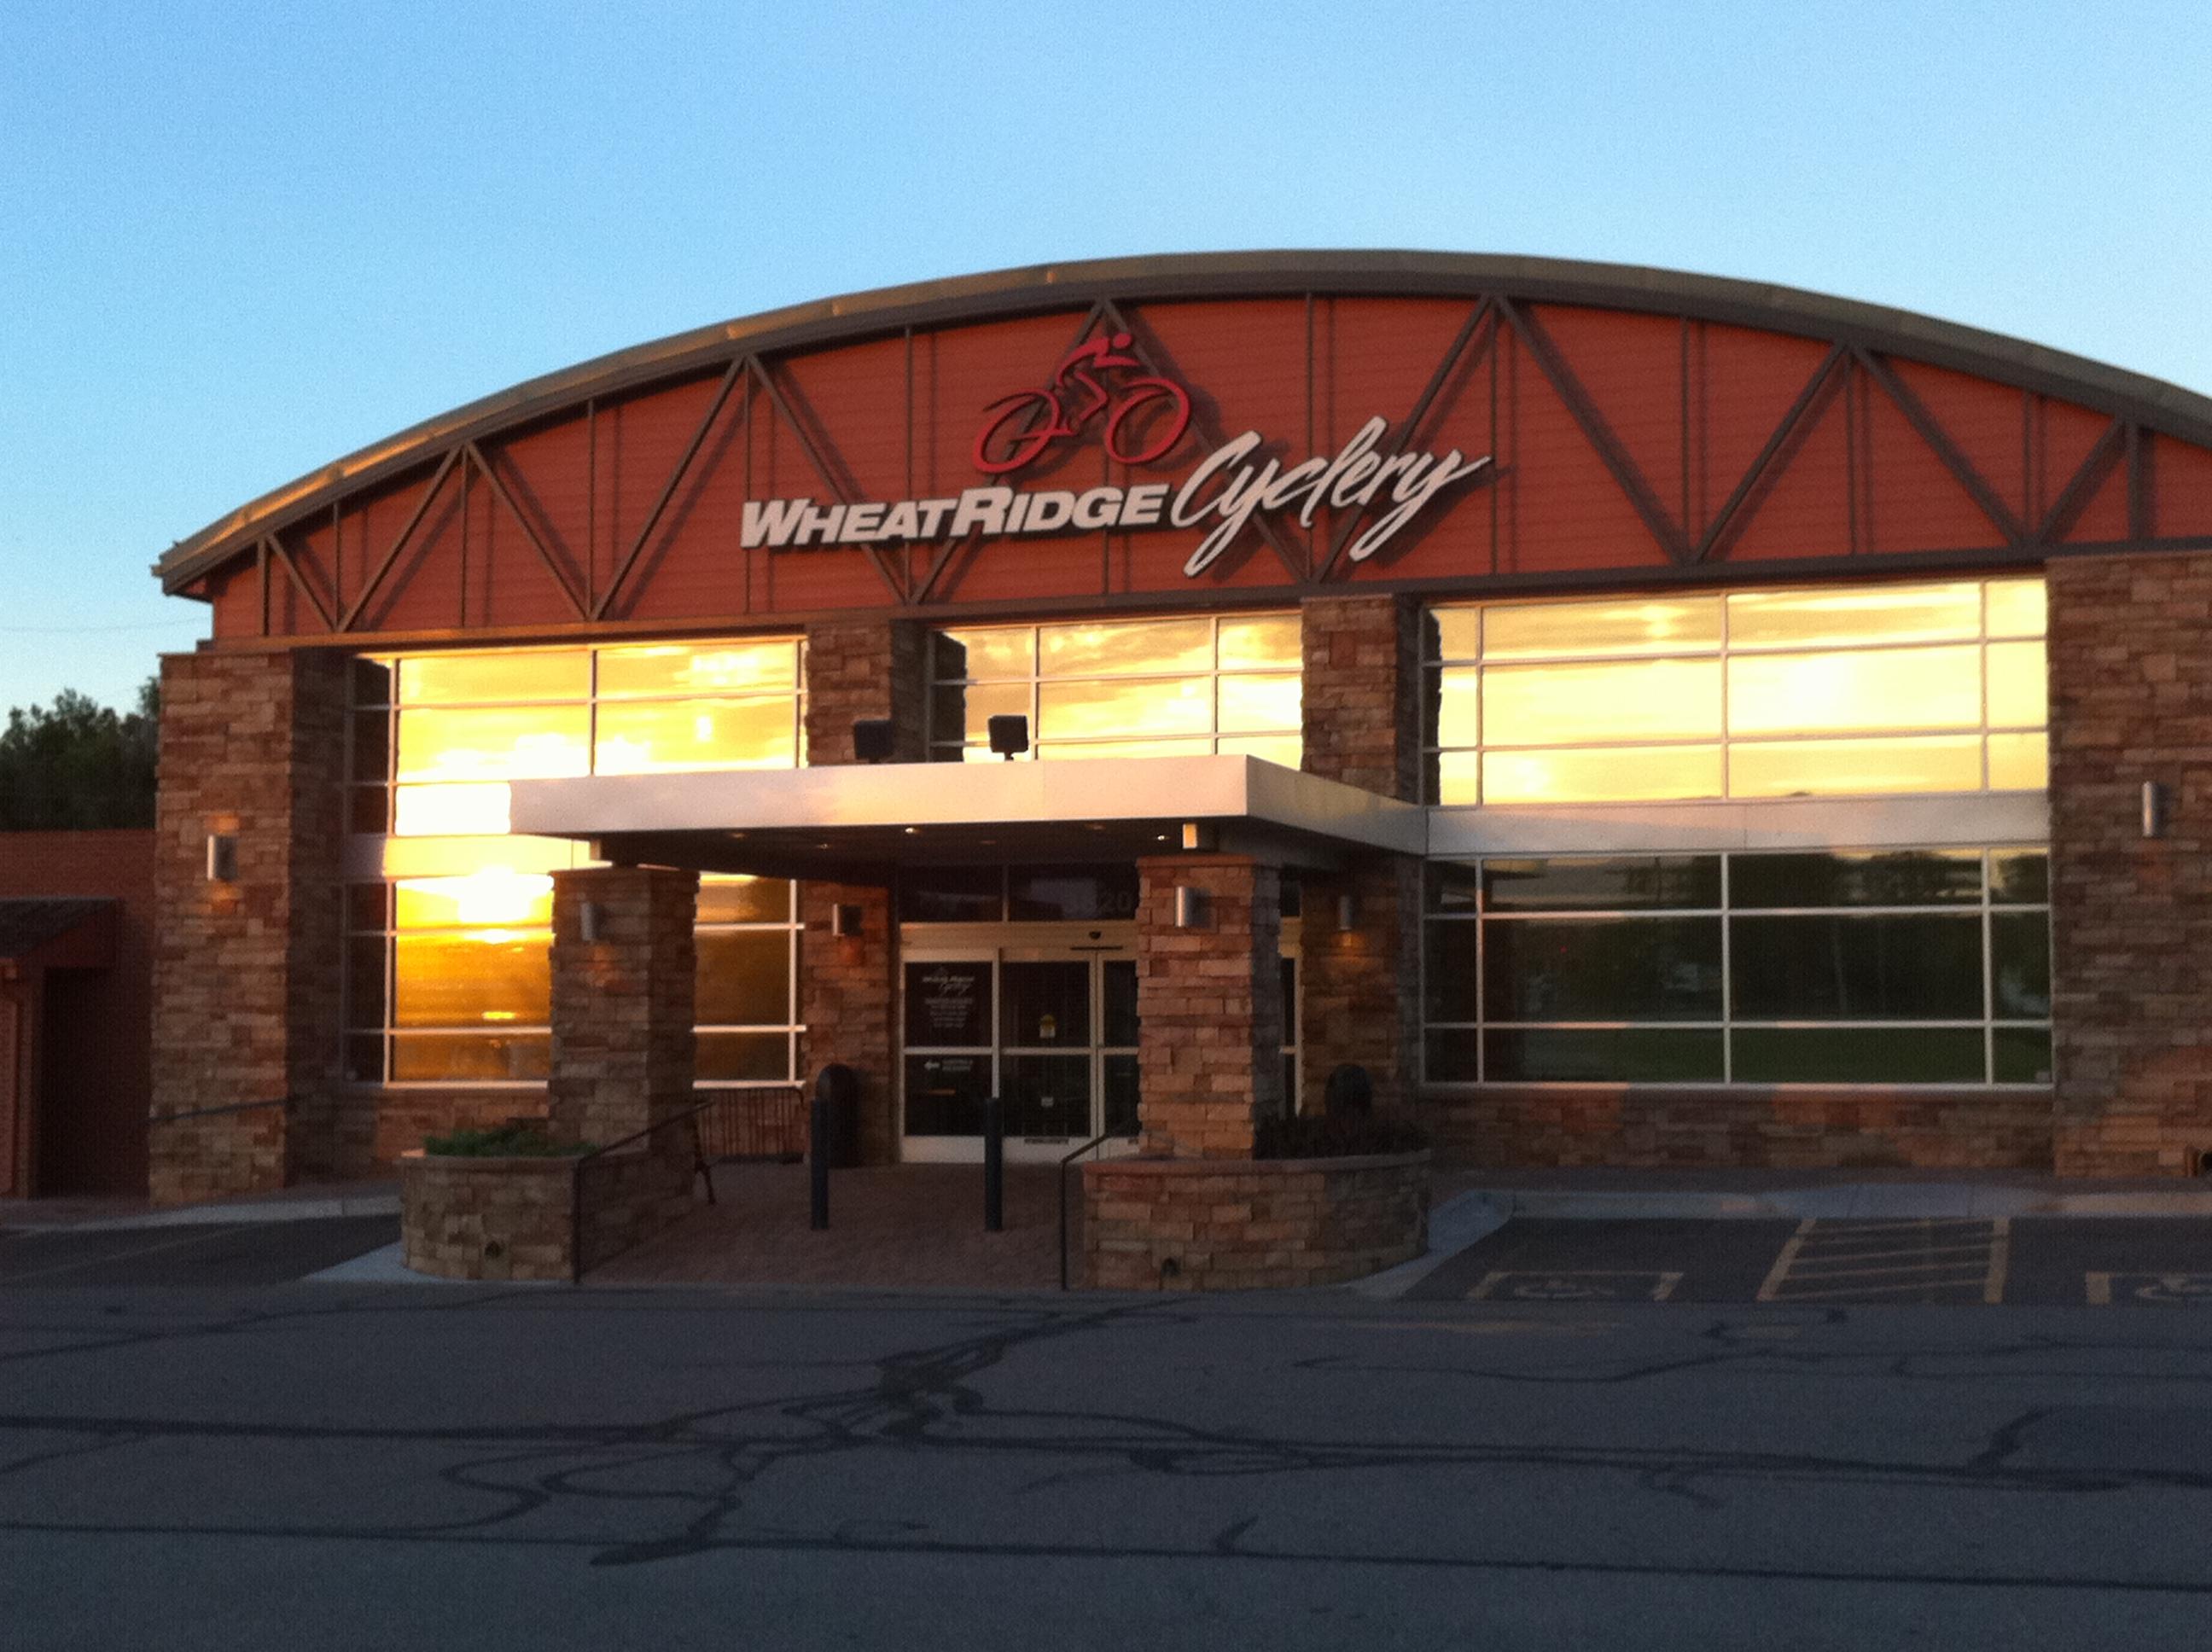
(1830, 691)
(1147, 688)
(1892, 966)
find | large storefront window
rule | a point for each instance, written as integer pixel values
(446, 976)
(1752, 694)
(1925, 966)
(1123, 689)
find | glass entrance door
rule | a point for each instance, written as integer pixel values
(1051, 1030)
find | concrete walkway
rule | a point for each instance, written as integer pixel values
(312, 1202)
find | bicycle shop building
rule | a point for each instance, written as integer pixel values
(1639, 719)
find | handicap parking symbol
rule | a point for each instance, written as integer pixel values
(1575, 1285)
(2168, 1290)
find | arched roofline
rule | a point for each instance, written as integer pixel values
(1041, 288)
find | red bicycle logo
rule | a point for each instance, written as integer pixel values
(1019, 428)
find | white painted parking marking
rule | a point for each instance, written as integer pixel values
(1576, 1285)
(1830, 1261)
(2161, 1289)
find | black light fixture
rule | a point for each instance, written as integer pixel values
(872, 739)
(1010, 735)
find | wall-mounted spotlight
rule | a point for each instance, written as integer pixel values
(1347, 911)
(221, 858)
(590, 919)
(1010, 735)
(1190, 907)
(2154, 809)
(845, 921)
(872, 739)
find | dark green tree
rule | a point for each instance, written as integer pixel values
(77, 763)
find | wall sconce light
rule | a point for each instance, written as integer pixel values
(845, 921)
(1347, 911)
(2154, 809)
(1190, 907)
(872, 739)
(221, 858)
(1199, 836)
(590, 919)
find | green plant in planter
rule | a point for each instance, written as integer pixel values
(1342, 1135)
(517, 1140)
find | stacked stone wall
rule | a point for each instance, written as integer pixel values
(623, 1047)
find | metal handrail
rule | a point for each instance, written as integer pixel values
(700, 1165)
(284, 1102)
(1092, 1146)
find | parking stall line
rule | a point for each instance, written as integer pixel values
(1934, 1257)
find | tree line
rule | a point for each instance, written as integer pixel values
(78, 764)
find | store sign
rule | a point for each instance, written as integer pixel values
(1140, 418)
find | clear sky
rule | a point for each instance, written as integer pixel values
(237, 241)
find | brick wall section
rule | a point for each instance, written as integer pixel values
(1178, 1225)
(2131, 917)
(1209, 1007)
(1363, 727)
(1631, 1127)
(486, 1219)
(848, 985)
(623, 1004)
(246, 974)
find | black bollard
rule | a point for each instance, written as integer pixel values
(818, 1160)
(994, 1166)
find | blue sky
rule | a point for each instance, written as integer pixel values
(237, 241)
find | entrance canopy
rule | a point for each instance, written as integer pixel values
(856, 824)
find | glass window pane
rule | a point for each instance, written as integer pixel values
(370, 681)
(1063, 751)
(985, 655)
(1790, 769)
(495, 743)
(1124, 648)
(1453, 888)
(469, 678)
(1872, 968)
(1271, 639)
(664, 736)
(1858, 1055)
(1627, 883)
(744, 978)
(2016, 608)
(1450, 990)
(1904, 879)
(1887, 688)
(1453, 633)
(1458, 778)
(2019, 685)
(1047, 1097)
(701, 668)
(461, 979)
(944, 1094)
(2023, 1055)
(1605, 1054)
(1285, 750)
(949, 1005)
(1579, 705)
(364, 980)
(364, 1060)
(737, 1058)
(1118, 987)
(1630, 625)
(494, 897)
(372, 745)
(1451, 1056)
(1864, 614)
(1126, 709)
(2019, 762)
(743, 900)
(1044, 1004)
(2019, 965)
(1602, 970)
(366, 907)
(1454, 706)
(2020, 876)
(479, 1057)
(1072, 894)
(450, 810)
(1259, 702)
(1600, 775)
(369, 810)
(963, 713)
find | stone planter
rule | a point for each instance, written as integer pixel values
(1243, 1224)
(486, 1219)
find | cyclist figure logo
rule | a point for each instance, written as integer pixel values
(1019, 428)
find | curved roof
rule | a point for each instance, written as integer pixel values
(1006, 292)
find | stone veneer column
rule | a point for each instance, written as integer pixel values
(247, 972)
(2131, 917)
(857, 669)
(623, 1004)
(1363, 727)
(1209, 1007)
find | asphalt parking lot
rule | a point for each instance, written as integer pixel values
(2071, 1261)
(212, 1253)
